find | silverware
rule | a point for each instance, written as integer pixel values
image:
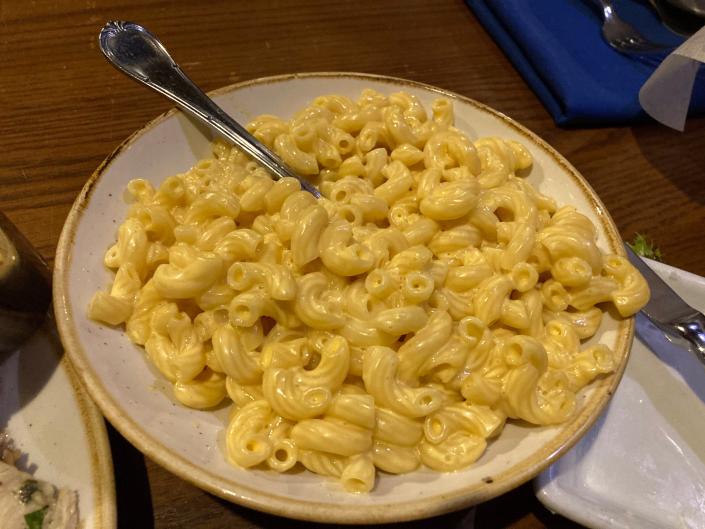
(621, 35)
(669, 312)
(675, 19)
(696, 7)
(136, 52)
(25, 287)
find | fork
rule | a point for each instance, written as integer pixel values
(621, 35)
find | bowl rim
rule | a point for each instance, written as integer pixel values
(311, 510)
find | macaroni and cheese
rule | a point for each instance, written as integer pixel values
(432, 294)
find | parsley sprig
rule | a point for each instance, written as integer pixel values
(645, 247)
(35, 520)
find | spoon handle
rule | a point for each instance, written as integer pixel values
(135, 51)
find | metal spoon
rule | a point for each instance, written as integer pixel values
(136, 52)
(676, 19)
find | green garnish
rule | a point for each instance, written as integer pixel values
(35, 520)
(642, 246)
(29, 487)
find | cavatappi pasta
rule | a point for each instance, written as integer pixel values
(400, 321)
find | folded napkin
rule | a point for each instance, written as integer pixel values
(558, 48)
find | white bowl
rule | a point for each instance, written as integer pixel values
(189, 442)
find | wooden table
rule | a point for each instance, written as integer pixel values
(63, 109)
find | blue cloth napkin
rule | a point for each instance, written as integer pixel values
(558, 48)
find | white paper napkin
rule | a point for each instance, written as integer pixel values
(665, 95)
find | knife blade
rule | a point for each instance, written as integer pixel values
(668, 311)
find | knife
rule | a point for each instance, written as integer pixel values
(668, 311)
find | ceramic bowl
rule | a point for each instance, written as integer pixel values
(189, 442)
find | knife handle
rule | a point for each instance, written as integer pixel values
(693, 329)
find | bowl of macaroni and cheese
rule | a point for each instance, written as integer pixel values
(443, 324)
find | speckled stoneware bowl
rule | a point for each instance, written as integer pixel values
(189, 442)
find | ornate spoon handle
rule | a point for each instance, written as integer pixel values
(136, 52)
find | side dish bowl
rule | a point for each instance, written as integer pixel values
(136, 399)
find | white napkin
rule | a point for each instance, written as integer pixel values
(665, 95)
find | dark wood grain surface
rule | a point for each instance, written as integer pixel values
(63, 109)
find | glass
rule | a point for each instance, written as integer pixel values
(25, 287)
